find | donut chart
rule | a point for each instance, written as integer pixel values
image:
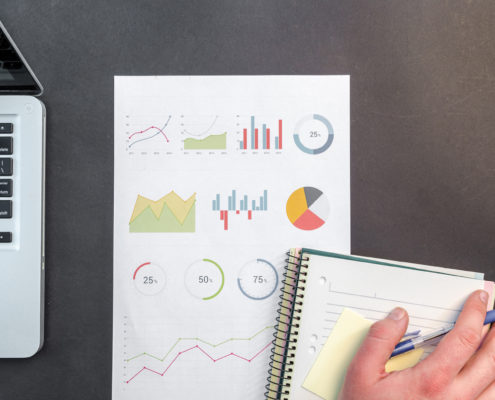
(149, 279)
(204, 279)
(313, 134)
(307, 208)
(258, 279)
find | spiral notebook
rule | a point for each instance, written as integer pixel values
(318, 286)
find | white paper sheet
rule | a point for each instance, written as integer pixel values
(195, 301)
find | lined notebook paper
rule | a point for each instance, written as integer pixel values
(331, 283)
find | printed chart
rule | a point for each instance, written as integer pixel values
(204, 279)
(262, 137)
(168, 214)
(308, 208)
(141, 134)
(210, 142)
(242, 204)
(258, 279)
(313, 134)
(205, 132)
(212, 355)
(216, 177)
(149, 279)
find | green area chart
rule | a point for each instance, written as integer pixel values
(168, 214)
(212, 142)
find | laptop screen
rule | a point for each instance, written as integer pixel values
(15, 75)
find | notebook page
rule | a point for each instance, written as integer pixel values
(432, 300)
(432, 268)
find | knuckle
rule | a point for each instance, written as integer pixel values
(489, 349)
(435, 385)
(469, 337)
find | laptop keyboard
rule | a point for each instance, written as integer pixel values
(6, 172)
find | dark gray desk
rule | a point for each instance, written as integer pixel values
(423, 136)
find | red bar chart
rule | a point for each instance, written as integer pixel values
(261, 137)
(242, 205)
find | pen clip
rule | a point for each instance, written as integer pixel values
(410, 335)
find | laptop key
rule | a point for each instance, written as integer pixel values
(5, 187)
(6, 127)
(6, 166)
(6, 146)
(5, 208)
(5, 237)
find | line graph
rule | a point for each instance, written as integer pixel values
(199, 340)
(206, 355)
(189, 131)
(158, 131)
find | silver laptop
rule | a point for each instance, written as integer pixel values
(22, 179)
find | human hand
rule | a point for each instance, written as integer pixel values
(458, 369)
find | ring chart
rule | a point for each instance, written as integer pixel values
(313, 134)
(258, 279)
(204, 279)
(307, 208)
(149, 279)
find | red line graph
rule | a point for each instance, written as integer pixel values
(147, 129)
(205, 353)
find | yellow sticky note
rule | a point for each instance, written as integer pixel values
(327, 374)
(403, 361)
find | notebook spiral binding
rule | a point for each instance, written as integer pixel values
(287, 327)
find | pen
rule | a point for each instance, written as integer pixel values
(432, 338)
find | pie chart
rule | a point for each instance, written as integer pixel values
(307, 208)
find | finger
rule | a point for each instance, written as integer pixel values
(480, 369)
(375, 351)
(457, 347)
(488, 393)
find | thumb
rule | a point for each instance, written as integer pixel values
(379, 343)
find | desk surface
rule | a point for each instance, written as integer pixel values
(422, 136)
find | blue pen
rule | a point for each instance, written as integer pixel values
(432, 338)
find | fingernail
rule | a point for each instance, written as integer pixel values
(397, 314)
(484, 296)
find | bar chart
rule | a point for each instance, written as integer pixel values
(238, 205)
(261, 137)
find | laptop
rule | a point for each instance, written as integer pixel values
(22, 180)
